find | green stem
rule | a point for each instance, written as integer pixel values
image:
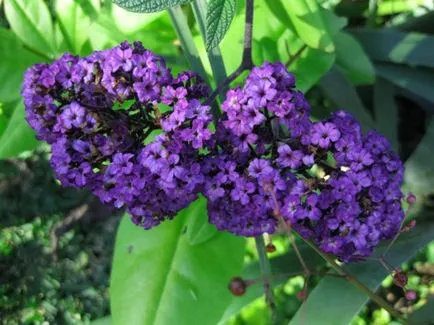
(184, 34)
(355, 282)
(266, 274)
(373, 10)
(214, 56)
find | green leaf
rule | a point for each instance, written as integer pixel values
(419, 169)
(31, 21)
(159, 278)
(424, 315)
(199, 230)
(14, 60)
(352, 60)
(148, 5)
(265, 50)
(307, 64)
(417, 80)
(388, 45)
(280, 12)
(307, 21)
(18, 136)
(284, 264)
(343, 301)
(103, 321)
(333, 22)
(344, 95)
(386, 111)
(219, 16)
(73, 21)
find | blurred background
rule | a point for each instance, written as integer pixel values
(56, 243)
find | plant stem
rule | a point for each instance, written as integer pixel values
(266, 274)
(373, 10)
(214, 56)
(246, 61)
(184, 34)
(355, 282)
(294, 57)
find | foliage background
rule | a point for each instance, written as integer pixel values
(55, 259)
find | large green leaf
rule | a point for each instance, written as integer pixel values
(31, 21)
(336, 301)
(265, 50)
(199, 230)
(352, 60)
(338, 88)
(419, 169)
(18, 136)
(423, 316)
(386, 111)
(158, 277)
(73, 22)
(14, 59)
(148, 5)
(417, 80)
(284, 264)
(219, 16)
(398, 47)
(306, 20)
(307, 64)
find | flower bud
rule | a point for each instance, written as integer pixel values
(411, 198)
(270, 248)
(237, 286)
(410, 295)
(400, 278)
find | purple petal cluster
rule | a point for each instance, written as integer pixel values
(99, 112)
(121, 125)
(270, 163)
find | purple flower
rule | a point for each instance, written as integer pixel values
(289, 158)
(323, 134)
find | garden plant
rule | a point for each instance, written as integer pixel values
(260, 151)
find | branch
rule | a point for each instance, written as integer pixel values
(294, 57)
(247, 61)
(354, 281)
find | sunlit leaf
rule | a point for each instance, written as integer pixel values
(306, 19)
(14, 60)
(73, 22)
(220, 14)
(18, 136)
(31, 21)
(148, 5)
(159, 277)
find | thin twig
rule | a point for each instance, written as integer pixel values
(294, 57)
(354, 281)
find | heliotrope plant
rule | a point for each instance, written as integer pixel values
(123, 126)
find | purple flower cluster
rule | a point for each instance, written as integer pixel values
(270, 163)
(99, 112)
(123, 127)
